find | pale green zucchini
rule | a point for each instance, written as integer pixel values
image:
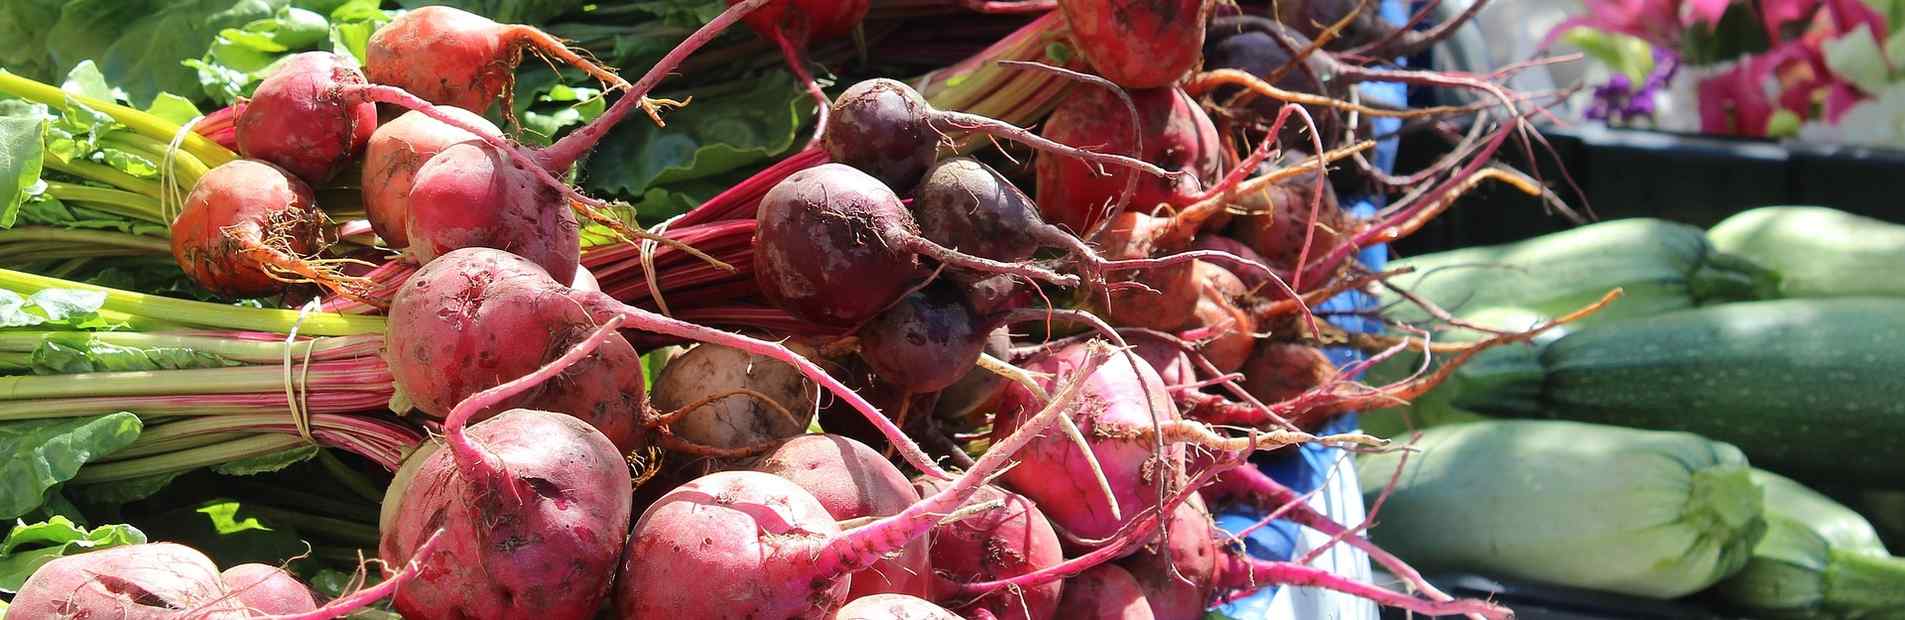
(1634, 512)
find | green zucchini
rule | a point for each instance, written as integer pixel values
(1819, 252)
(1809, 387)
(1661, 265)
(1619, 510)
(1819, 559)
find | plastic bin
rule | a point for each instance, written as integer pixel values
(1311, 467)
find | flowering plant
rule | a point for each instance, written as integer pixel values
(1826, 70)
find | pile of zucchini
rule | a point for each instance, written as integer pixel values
(1635, 451)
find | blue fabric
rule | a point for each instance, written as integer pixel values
(1303, 469)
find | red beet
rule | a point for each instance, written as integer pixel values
(1139, 43)
(1176, 136)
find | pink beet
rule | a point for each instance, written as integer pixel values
(1108, 593)
(1123, 396)
(535, 506)
(758, 545)
(852, 481)
(267, 589)
(1009, 540)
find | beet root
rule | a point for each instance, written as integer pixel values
(391, 160)
(449, 56)
(550, 553)
(1007, 540)
(852, 481)
(1106, 592)
(135, 582)
(246, 229)
(470, 195)
(459, 327)
(1176, 136)
(823, 251)
(1122, 397)
(532, 508)
(267, 589)
(1179, 576)
(926, 342)
(741, 420)
(303, 118)
(1139, 43)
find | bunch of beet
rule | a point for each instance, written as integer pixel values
(1020, 390)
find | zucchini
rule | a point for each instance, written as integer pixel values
(1808, 387)
(1642, 513)
(1662, 266)
(1818, 559)
(1819, 252)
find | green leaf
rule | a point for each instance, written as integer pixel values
(1630, 56)
(52, 307)
(45, 210)
(22, 152)
(77, 352)
(138, 43)
(717, 132)
(1856, 57)
(37, 454)
(267, 463)
(577, 106)
(224, 517)
(27, 547)
(173, 108)
(85, 79)
(24, 25)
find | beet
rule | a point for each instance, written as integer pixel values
(534, 507)
(926, 342)
(391, 159)
(1177, 136)
(852, 481)
(452, 57)
(247, 230)
(1009, 540)
(1139, 43)
(888, 130)
(308, 116)
(835, 246)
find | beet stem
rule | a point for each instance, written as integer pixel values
(1001, 129)
(571, 147)
(1252, 573)
(798, 65)
(1263, 491)
(858, 548)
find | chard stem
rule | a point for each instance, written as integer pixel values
(200, 313)
(207, 151)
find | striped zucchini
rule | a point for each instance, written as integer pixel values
(1819, 559)
(1819, 252)
(1599, 507)
(1662, 265)
(1809, 387)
